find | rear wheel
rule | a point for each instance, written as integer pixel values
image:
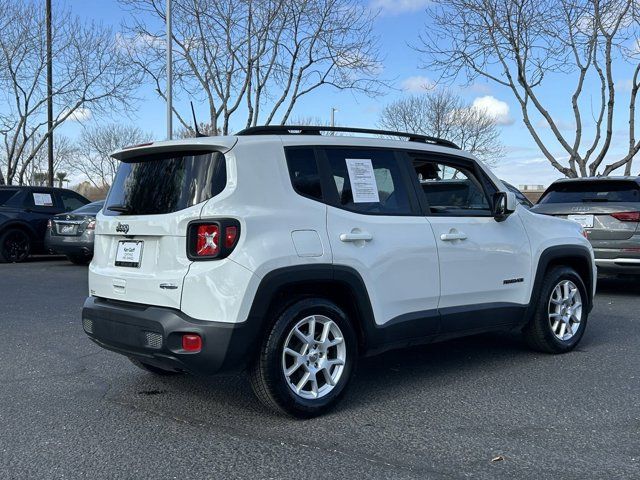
(15, 246)
(307, 359)
(561, 313)
(152, 368)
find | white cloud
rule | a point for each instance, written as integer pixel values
(78, 115)
(417, 84)
(397, 7)
(495, 108)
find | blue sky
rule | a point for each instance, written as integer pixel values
(398, 25)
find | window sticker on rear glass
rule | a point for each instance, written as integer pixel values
(42, 200)
(363, 180)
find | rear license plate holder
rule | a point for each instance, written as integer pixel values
(585, 220)
(129, 253)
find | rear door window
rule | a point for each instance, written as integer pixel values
(369, 181)
(71, 201)
(165, 183)
(592, 191)
(6, 195)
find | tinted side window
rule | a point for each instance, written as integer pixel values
(451, 190)
(71, 201)
(369, 181)
(303, 170)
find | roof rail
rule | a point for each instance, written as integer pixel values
(316, 130)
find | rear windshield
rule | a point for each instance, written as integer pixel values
(592, 191)
(156, 184)
(90, 209)
(5, 195)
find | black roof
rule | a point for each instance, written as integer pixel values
(33, 187)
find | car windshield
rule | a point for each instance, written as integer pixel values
(90, 209)
(5, 195)
(592, 191)
(165, 183)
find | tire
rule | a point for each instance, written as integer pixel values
(152, 368)
(79, 259)
(540, 333)
(15, 246)
(332, 359)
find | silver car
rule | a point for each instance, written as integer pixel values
(609, 210)
(72, 233)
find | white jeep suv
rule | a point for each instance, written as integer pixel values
(290, 253)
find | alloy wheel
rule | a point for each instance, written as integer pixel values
(565, 310)
(314, 356)
(15, 247)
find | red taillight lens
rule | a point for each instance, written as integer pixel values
(191, 342)
(230, 236)
(627, 216)
(212, 239)
(91, 225)
(208, 240)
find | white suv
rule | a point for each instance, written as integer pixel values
(290, 253)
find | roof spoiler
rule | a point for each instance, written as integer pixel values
(205, 144)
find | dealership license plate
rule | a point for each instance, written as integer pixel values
(129, 253)
(66, 229)
(585, 220)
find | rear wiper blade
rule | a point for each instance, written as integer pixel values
(119, 208)
(587, 200)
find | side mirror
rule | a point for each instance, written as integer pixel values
(504, 204)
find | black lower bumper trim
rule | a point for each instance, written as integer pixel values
(154, 335)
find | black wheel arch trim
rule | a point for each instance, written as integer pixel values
(412, 327)
(560, 254)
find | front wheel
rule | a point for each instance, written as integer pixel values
(306, 360)
(560, 318)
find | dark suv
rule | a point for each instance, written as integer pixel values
(24, 212)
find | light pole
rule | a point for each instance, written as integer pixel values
(333, 116)
(169, 74)
(49, 95)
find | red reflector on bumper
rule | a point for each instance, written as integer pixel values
(191, 342)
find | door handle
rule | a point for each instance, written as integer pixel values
(356, 237)
(453, 235)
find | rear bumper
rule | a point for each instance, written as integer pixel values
(154, 335)
(72, 245)
(614, 260)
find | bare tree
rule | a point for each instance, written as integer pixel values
(255, 59)
(95, 146)
(90, 74)
(443, 114)
(64, 153)
(525, 44)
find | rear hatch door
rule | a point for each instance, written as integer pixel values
(607, 209)
(140, 252)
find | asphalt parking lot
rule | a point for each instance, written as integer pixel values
(69, 409)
